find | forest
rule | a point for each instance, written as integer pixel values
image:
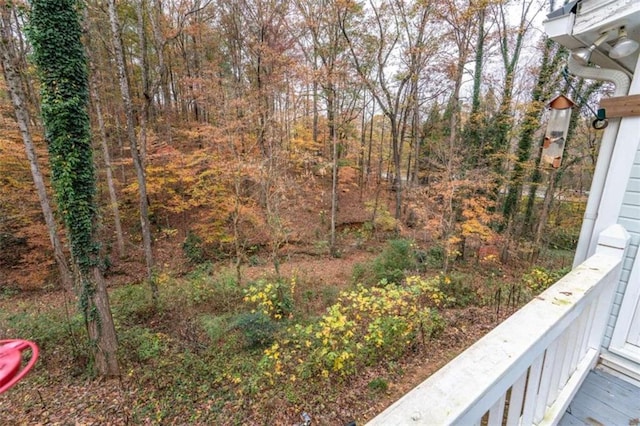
(273, 211)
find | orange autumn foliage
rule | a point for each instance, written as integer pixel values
(26, 261)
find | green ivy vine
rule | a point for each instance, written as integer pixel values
(54, 30)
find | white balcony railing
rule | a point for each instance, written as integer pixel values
(526, 370)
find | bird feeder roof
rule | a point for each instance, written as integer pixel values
(560, 102)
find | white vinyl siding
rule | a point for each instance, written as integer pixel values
(629, 217)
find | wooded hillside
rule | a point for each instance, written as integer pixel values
(171, 149)
(240, 110)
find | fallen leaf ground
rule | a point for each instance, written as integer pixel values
(60, 394)
(59, 391)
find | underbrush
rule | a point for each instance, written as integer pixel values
(215, 352)
(398, 257)
(366, 326)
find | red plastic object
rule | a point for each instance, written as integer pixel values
(11, 361)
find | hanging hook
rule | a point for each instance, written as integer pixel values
(601, 118)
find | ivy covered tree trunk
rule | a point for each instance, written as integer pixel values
(10, 68)
(529, 126)
(54, 31)
(473, 131)
(510, 51)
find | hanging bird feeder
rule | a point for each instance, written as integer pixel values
(557, 128)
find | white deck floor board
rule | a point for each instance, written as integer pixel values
(604, 399)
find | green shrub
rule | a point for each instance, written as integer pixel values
(565, 238)
(132, 304)
(459, 289)
(390, 266)
(214, 326)
(192, 248)
(221, 291)
(48, 329)
(257, 329)
(141, 344)
(434, 257)
(55, 333)
(329, 295)
(378, 385)
(7, 291)
(361, 273)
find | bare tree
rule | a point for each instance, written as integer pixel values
(327, 54)
(97, 104)
(133, 143)
(394, 27)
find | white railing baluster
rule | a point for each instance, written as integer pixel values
(531, 396)
(546, 379)
(588, 328)
(575, 352)
(516, 399)
(557, 368)
(572, 338)
(496, 413)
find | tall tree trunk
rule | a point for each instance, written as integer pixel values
(504, 122)
(370, 144)
(544, 213)
(530, 124)
(454, 108)
(454, 119)
(146, 87)
(55, 28)
(363, 141)
(103, 332)
(113, 197)
(510, 52)
(97, 103)
(415, 130)
(333, 138)
(473, 130)
(10, 66)
(536, 178)
(334, 193)
(315, 100)
(135, 154)
(159, 41)
(22, 52)
(395, 149)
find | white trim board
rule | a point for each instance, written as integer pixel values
(620, 367)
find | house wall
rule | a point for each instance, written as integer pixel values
(629, 218)
(620, 201)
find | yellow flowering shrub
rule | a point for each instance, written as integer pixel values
(539, 279)
(366, 325)
(272, 298)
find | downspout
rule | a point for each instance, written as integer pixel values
(622, 83)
